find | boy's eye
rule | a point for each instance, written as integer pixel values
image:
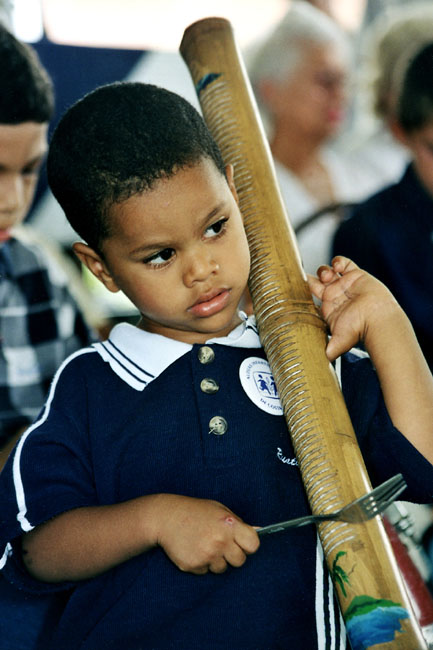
(161, 257)
(32, 170)
(216, 228)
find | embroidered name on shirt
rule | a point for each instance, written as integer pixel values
(284, 459)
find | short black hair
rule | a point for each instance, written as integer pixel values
(117, 141)
(415, 106)
(26, 90)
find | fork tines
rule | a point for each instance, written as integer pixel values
(382, 496)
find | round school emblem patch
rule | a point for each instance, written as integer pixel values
(258, 383)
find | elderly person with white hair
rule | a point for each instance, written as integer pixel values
(299, 76)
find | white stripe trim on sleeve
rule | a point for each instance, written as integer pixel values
(3, 559)
(20, 496)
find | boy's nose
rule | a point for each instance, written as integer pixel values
(12, 195)
(199, 268)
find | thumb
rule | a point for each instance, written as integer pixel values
(338, 345)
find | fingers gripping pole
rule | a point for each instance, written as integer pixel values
(359, 557)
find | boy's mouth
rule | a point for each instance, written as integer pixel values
(210, 303)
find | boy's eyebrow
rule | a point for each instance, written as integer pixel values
(159, 245)
(34, 162)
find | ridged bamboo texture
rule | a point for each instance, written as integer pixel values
(293, 334)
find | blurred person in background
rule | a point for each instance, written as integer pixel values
(371, 142)
(300, 73)
(40, 322)
(391, 233)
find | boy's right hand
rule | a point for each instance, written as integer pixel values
(196, 534)
(199, 535)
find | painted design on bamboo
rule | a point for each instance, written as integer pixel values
(368, 620)
(206, 80)
(339, 575)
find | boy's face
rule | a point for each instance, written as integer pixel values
(420, 142)
(22, 150)
(180, 253)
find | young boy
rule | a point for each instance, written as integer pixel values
(391, 234)
(40, 324)
(149, 468)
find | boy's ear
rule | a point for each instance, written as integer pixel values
(231, 183)
(398, 132)
(95, 264)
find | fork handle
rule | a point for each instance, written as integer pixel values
(294, 523)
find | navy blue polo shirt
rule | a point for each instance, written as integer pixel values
(142, 414)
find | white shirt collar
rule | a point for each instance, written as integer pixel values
(138, 357)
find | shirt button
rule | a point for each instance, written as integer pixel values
(209, 386)
(218, 425)
(206, 354)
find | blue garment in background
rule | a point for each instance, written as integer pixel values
(391, 236)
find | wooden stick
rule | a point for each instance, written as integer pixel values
(359, 556)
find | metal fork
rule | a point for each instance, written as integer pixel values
(365, 507)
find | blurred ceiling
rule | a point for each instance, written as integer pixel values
(153, 24)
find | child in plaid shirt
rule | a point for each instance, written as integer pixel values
(40, 323)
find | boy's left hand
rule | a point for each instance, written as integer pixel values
(354, 304)
(356, 307)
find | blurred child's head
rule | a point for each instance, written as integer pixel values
(415, 105)
(116, 142)
(141, 179)
(26, 106)
(26, 89)
(415, 113)
(387, 46)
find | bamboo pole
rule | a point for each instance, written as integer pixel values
(359, 556)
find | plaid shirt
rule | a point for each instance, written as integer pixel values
(40, 325)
